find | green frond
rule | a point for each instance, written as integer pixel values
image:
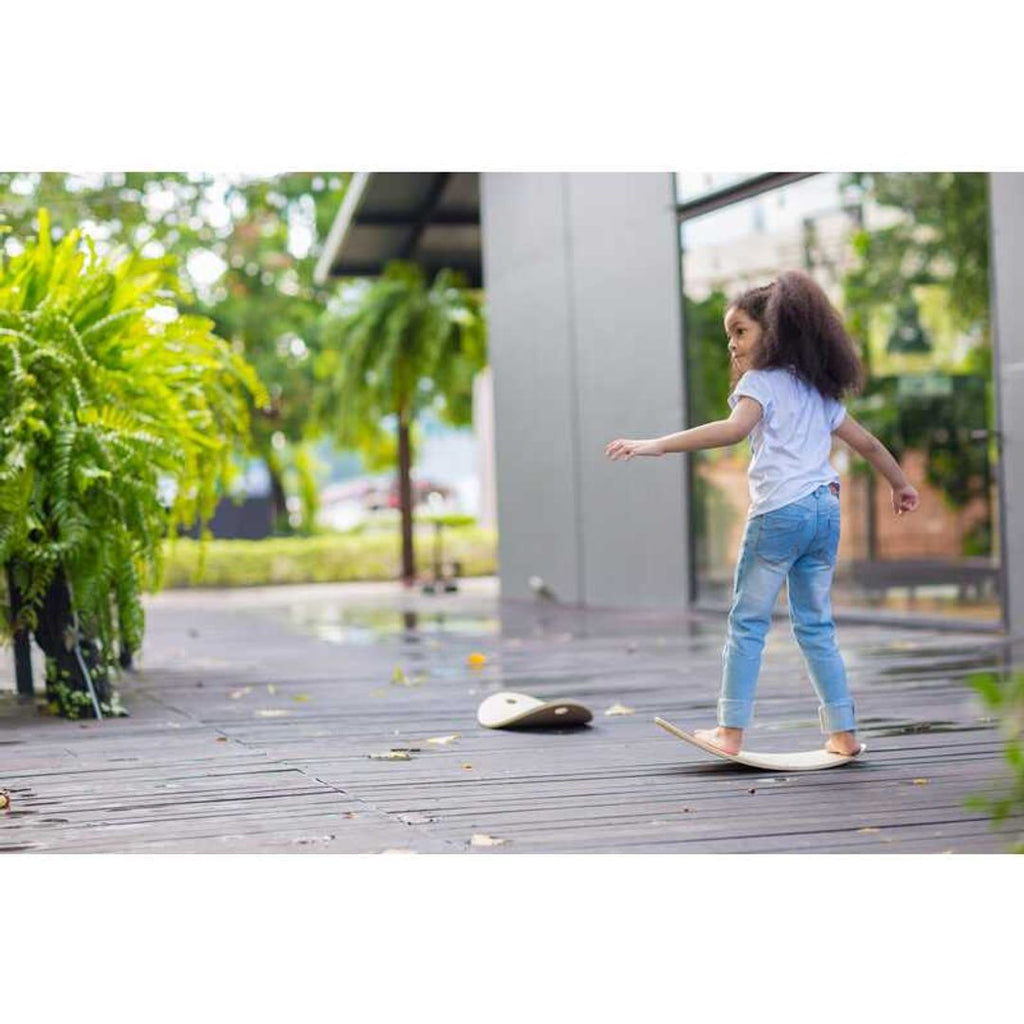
(96, 401)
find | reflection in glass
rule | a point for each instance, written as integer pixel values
(904, 257)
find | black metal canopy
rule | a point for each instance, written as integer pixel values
(432, 219)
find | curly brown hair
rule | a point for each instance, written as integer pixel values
(801, 329)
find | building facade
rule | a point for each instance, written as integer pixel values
(605, 294)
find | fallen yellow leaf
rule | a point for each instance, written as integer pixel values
(301, 698)
(479, 839)
(392, 755)
(869, 829)
(468, 766)
(476, 659)
(5, 800)
(920, 782)
(238, 694)
(442, 741)
(620, 709)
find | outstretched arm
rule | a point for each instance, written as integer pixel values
(718, 434)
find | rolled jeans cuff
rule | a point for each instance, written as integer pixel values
(735, 714)
(837, 717)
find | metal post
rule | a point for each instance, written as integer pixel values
(78, 654)
(85, 672)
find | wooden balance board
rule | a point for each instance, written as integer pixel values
(520, 711)
(798, 761)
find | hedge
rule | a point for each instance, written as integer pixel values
(326, 558)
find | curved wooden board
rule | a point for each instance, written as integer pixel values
(798, 761)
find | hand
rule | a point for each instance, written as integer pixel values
(904, 499)
(624, 449)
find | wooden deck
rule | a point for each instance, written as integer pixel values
(256, 717)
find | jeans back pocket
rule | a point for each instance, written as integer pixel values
(783, 534)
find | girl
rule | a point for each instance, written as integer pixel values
(792, 362)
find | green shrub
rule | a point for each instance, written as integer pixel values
(105, 393)
(358, 555)
(1005, 695)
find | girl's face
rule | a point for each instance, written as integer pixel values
(744, 335)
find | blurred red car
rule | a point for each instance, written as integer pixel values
(420, 490)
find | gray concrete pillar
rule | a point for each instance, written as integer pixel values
(583, 297)
(1007, 249)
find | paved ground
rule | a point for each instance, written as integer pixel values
(259, 719)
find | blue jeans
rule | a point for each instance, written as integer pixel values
(797, 542)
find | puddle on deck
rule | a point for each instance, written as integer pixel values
(655, 632)
(363, 626)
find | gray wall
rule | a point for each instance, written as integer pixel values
(585, 337)
(1007, 213)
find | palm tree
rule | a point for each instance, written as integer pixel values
(396, 347)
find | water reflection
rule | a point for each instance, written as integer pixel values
(366, 626)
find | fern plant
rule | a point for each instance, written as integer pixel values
(108, 398)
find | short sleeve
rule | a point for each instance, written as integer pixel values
(754, 385)
(835, 413)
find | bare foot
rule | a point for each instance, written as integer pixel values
(727, 740)
(843, 743)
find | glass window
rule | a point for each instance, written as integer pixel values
(905, 259)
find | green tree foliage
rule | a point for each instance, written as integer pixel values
(708, 365)
(708, 385)
(395, 347)
(267, 300)
(942, 239)
(248, 245)
(107, 393)
(937, 248)
(162, 210)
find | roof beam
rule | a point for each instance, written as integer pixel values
(423, 216)
(441, 218)
(353, 196)
(746, 189)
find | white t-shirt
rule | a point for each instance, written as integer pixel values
(792, 442)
